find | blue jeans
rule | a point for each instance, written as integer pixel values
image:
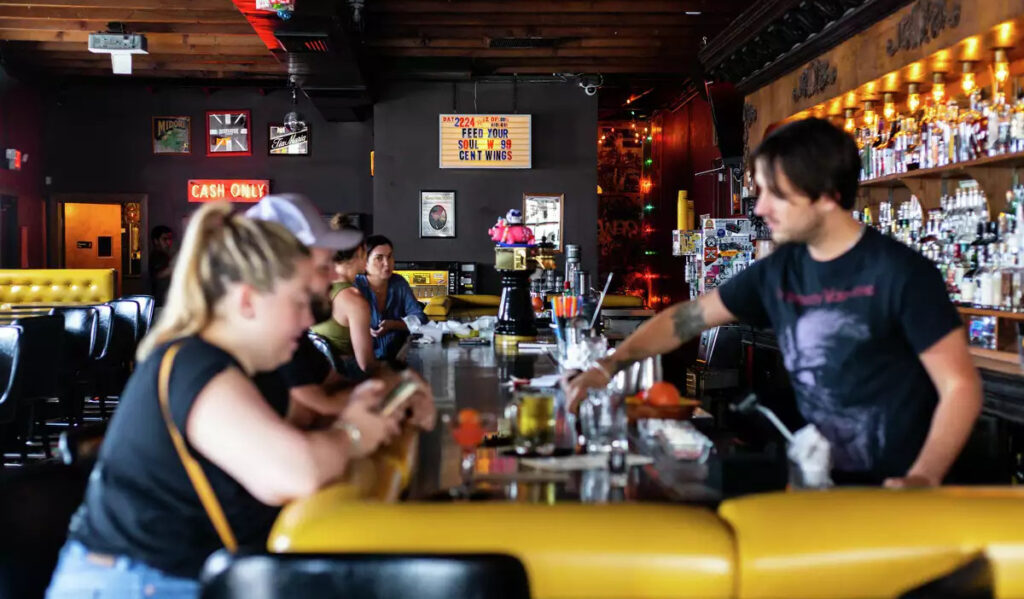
(80, 577)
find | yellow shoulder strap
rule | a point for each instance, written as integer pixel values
(192, 467)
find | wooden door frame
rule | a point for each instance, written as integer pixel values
(57, 222)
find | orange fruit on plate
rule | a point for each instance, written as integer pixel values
(663, 394)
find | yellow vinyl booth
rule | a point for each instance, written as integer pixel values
(57, 286)
(837, 544)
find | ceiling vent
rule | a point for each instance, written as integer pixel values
(305, 42)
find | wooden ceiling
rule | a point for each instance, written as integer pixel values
(195, 39)
(213, 40)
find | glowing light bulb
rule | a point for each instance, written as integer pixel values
(1001, 66)
(850, 124)
(968, 82)
(869, 113)
(938, 87)
(913, 97)
(889, 105)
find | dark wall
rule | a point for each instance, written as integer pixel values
(21, 124)
(99, 142)
(406, 157)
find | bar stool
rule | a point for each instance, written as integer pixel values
(364, 576)
(10, 346)
(110, 370)
(41, 378)
(80, 326)
(147, 306)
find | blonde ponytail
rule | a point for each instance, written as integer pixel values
(220, 248)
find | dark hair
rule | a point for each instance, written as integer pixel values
(376, 240)
(817, 157)
(159, 231)
(341, 222)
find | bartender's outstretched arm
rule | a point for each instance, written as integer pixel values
(661, 334)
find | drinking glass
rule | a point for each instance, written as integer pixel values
(532, 418)
(603, 421)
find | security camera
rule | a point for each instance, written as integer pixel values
(590, 90)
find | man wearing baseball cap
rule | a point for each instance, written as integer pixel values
(308, 378)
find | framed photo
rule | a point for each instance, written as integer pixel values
(172, 135)
(283, 141)
(228, 133)
(542, 212)
(437, 214)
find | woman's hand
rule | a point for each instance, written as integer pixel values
(362, 412)
(387, 326)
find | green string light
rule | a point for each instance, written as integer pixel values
(649, 207)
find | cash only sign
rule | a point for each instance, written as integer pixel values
(485, 141)
(232, 190)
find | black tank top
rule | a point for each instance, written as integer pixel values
(140, 502)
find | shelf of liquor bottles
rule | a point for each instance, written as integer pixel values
(966, 311)
(956, 170)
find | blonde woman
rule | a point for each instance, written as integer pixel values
(238, 303)
(348, 328)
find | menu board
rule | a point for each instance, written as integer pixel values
(485, 140)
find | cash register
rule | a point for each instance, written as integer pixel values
(718, 362)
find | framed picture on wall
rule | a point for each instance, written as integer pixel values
(172, 135)
(228, 133)
(542, 212)
(284, 141)
(437, 214)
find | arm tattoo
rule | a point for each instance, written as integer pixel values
(688, 321)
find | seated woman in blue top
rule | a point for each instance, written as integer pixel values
(390, 298)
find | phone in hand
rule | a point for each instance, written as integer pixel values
(398, 396)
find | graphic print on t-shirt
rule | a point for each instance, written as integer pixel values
(810, 348)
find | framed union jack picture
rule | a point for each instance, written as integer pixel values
(228, 133)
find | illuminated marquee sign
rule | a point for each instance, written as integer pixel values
(485, 140)
(232, 190)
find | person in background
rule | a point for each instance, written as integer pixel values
(315, 390)
(160, 262)
(238, 303)
(347, 330)
(875, 350)
(390, 297)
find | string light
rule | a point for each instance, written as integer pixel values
(645, 185)
(913, 97)
(968, 83)
(889, 105)
(648, 207)
(938, 87)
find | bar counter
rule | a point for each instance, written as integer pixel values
(670, 531)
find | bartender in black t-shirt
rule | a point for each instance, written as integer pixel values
(876, 352)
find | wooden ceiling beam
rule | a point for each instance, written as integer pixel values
(106, 15)
(190, 5)
(154, 48)
(538, 19)
(242, 28)
(43, 58)
(186, 39)
(213, 75)
(482, 42)
(504, 30)
(512, 53)
(142, 69)
(565, 6)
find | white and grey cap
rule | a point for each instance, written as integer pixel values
(297, 214)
